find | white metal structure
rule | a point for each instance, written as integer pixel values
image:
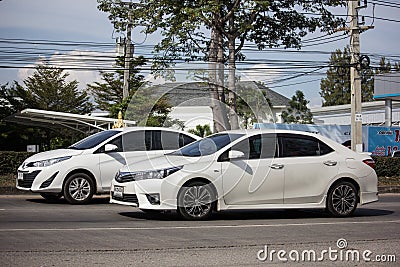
(62, 120)
(88, 166)
(252, 169)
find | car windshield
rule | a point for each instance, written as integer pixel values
(207, 146)
(93, 140)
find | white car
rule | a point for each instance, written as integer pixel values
(251, 169)
(88, 166)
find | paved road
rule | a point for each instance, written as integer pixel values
(36, 233)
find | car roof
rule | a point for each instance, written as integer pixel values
(261, 131)
(140, 128)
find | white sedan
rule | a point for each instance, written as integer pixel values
(87, 167)
(250, 169)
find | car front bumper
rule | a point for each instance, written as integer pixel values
(39, 180)
(141, 194)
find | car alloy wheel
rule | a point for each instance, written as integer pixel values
(342, 199)
(78, 189)
(196, 201)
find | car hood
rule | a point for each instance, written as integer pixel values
(165, 161)
(58, 153)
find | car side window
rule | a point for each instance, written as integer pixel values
(258, 146)
(153, 140)
(303, 146)
(166, 140)
(134, 141)
(170, 140)
(324, 148)
(118, 142)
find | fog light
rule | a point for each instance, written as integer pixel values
(154, 199)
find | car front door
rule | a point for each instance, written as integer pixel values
(256, 178)
(309, 165)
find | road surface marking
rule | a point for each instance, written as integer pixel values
(192, 227)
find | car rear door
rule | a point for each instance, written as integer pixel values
(309, 165)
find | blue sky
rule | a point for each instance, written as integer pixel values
(80, 21)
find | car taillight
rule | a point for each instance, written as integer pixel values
(370, 162)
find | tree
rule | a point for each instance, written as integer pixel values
(108, 96)
(10, 102)
(205, 29)
(14, 137)
(247, 101)
(386, 67)
(201, 130)
(46, 89)
(298, 112)
(335, 88)
(149, 110)
(108, 93)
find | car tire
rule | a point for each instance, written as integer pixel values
(342, 199)
(78, 188)
(196, 201)
(51, 197)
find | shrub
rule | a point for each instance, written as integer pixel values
(10, 161)
(387, 166)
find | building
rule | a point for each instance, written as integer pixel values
(191, 102)
(385, 111)
(373, 113)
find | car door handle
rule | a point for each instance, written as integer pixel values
(330, 163)
(277, 166)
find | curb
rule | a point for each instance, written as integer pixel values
(389, 189)
(9, 190)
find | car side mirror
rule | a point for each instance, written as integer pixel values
(110, 148)
(235, 154)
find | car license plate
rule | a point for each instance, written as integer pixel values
(20, 176)
(118, 191)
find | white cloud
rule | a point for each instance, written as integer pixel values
(81, 65)
(155, 80)
(259, 72)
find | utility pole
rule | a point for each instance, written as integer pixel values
(128, 52)
(356, 65)
(355, 78)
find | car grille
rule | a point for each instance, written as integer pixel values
(132, 198)
(28, 179)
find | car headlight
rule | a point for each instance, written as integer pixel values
(123, 177)
(47, 162)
